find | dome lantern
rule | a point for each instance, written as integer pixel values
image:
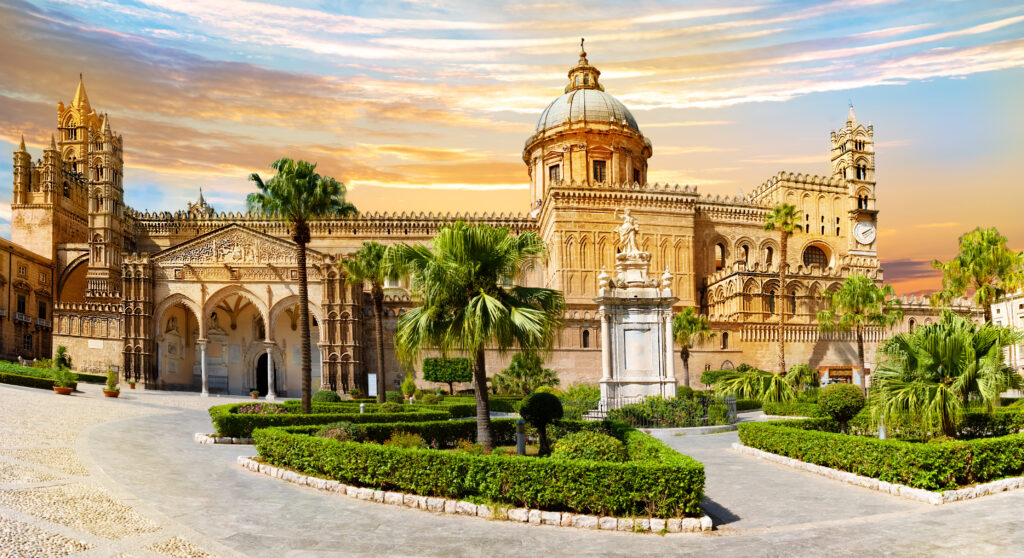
(583, 75)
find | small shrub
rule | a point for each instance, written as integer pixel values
(326, 396)
(809, 395)
(545, 389)
(409, 385)
(261, 409)
(62, 359)
(428, 399)
(684, 392)
(406, 440)
(540, 409)
(594, 446)
(344, 432)
(524, 375)
(577, 399)
(390, 407)
(709, 377)
(469, 447)
(355, 393)
(842, 402)
(393, 397)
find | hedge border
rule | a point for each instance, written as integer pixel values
(658, 481)
(934, 467)
(230, 424)
(471, 509)
(26, 381)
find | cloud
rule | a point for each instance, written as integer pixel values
(944, 225)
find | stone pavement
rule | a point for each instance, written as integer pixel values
(142, 454)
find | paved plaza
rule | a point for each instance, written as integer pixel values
(88, 476)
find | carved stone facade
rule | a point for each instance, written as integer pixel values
(156, 295)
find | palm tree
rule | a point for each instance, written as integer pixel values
(689, 329)
(929, 375)
(524, 375)
(756, 384)
(370, 264)
(298, 195)
(468, 300)
(785, 219)
(985, 265)
(859, 303)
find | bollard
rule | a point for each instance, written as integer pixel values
(520, 437)
(362, 408)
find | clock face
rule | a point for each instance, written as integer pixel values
(864, 232)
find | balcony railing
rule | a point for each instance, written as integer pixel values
(22, 317)
(42, 322)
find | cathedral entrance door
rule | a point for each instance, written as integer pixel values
(261, 374)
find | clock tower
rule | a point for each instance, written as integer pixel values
(853, 161)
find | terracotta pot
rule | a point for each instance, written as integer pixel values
(111, 393)
(63, 390)
(131, 386)
(255, 395)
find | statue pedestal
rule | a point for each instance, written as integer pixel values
(636, 332)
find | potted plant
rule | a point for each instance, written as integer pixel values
(131, 383)
(64, 381)
(255, 394)
(112, 389)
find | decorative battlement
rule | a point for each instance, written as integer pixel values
(87, 308)
(798, 271)
(808, 181)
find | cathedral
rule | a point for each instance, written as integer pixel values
(161, 296)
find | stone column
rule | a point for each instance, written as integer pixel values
(202, 367)
(606, 347)
(271, 393)
(670, 363)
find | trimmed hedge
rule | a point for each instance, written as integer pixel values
(793, 409)
(231, 424)
(661, 483)
(747, 405)
(91, 378)
(26, 381)
(933, 466)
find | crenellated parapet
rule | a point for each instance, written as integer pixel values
(811, 182)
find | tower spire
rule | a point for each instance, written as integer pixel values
(21, 147)
(53, 143)
(81, 100)
(852, 118)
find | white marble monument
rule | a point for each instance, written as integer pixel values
(636, 325)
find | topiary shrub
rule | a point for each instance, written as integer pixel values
(841, 402)
(390, 407)
(709, 377)
(540, 409)
(594, 446)
(684, 392)
(448, 371)
(428, 399)
(344, 432)
(545, 389)
(326, 396)
(393, 397)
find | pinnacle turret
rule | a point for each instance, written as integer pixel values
(21, 147)
(81, 100)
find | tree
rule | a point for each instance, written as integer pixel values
(842, 402)
(448, 371)
(689, 329)
(802, 377)
(298, 195)
(858, 304)
(62, 359)
(540, 409)
(929, 375)
(469, 302)
(985, 265)
(370, 265)
(785, 219)
(524, 375)
(752, 383)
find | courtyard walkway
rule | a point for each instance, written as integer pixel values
(164, 495)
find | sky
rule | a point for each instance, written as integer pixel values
(424, 105)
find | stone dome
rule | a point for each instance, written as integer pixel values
(591, 105)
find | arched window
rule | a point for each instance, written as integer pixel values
(719, 256)
(769, 256)
(912, 324)
(792, 303)
(746, 254)
(725, 340)
(586, 338)
(771, 302)
(814, 255)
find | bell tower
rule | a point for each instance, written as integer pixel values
(853, 161)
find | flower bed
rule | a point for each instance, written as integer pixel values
(229, 423)
(931, 466)
(656, 481)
